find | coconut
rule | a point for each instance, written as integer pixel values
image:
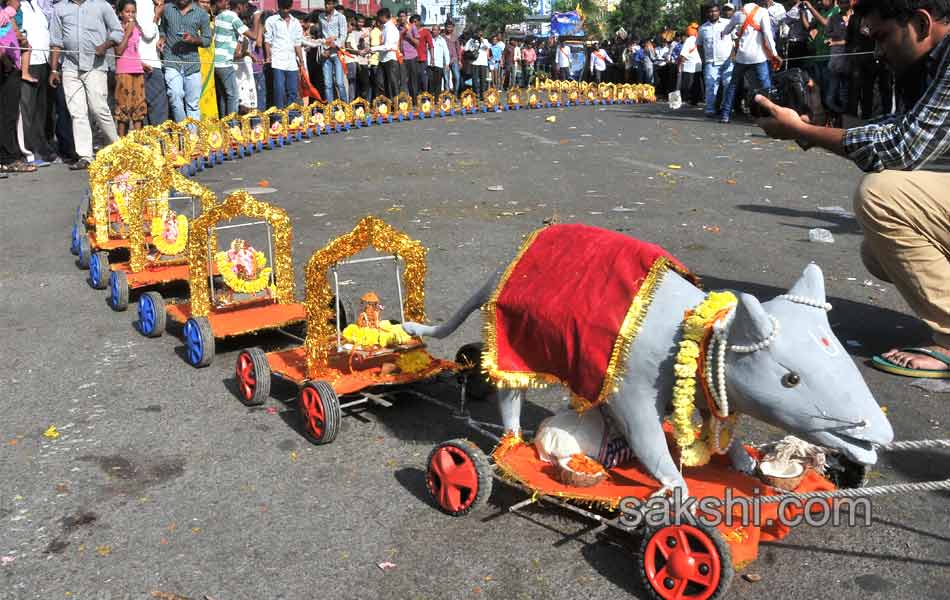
(589, 475)
(785, 475)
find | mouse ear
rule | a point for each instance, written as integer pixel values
(810, 285)
(752, 323)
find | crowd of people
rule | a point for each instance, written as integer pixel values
(79, 73)
(710, 63)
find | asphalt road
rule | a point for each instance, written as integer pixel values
(162, 481)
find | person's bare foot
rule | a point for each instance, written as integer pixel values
(914, 360)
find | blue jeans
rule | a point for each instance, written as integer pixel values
(715, 76)
(333, 73)
(456, 78)
(285, 87)
(261, 82)
(228, 90)
(184, 92)
(761, 71)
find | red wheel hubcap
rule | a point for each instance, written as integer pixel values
(453, 478)
(313, 409)
(247, 378)
(682, 563)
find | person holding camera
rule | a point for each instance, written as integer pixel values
(901, 203)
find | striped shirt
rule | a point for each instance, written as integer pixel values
(912, 140)
(178, 54)
(228, 28)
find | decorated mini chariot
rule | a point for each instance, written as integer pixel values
(235, 290)
(341, 366)
(158, 237)
(100, 228)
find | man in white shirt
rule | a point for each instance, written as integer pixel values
(598, 62)
(716, 52)
(387, 53)
(480, 46)
(283, 39)
(563, 61)
(690, 64)
(755, 50)
(439, 60)
(34, 106)
(156, 94)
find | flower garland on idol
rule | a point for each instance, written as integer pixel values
(243, 281)
(693, 369)
(170, 233)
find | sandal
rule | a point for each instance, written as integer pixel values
(883, 364)
(20, 167)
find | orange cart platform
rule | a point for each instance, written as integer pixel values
(239, 318)
(679, 557)
(351, 375)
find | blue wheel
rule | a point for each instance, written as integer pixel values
(118, 291)
(85, 252)
(74, 240)
(199, 342)
(151, 321)
(99, 270)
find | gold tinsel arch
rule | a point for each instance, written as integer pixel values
(259, 133)
(425, 102)
(278, 121)
(382, 107)
(138, 248)
(370, 232)
(338, 113)
(468, 101)
(403, 105)
(239, 204)
(361, 110)
(447, 102)
(146, 173)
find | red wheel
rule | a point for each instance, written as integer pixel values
(458, 477)
(685, 562)
(319, 410)
(252, 372)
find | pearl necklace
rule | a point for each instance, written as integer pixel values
(716, 382)
(826, 306)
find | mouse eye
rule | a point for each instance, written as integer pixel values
(791, 379)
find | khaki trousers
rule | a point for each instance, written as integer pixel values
(87, 95)
(906, 221)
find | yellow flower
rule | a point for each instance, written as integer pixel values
(688, 349)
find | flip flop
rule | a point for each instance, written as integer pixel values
(888, 366)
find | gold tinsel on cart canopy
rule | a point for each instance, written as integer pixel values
(370, 232)
(138, 249)
(239, 204)
(147, 176)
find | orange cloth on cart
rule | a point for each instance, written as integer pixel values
(520, 462)
(567, 306)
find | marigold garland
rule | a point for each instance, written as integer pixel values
(386, 335)
(158, 240)
(415, 361)
(695, 444)
(239, 285)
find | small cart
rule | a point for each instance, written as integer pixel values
(332, 375)
(156, 258)
(268, 302)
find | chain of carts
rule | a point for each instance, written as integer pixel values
(123, 237)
